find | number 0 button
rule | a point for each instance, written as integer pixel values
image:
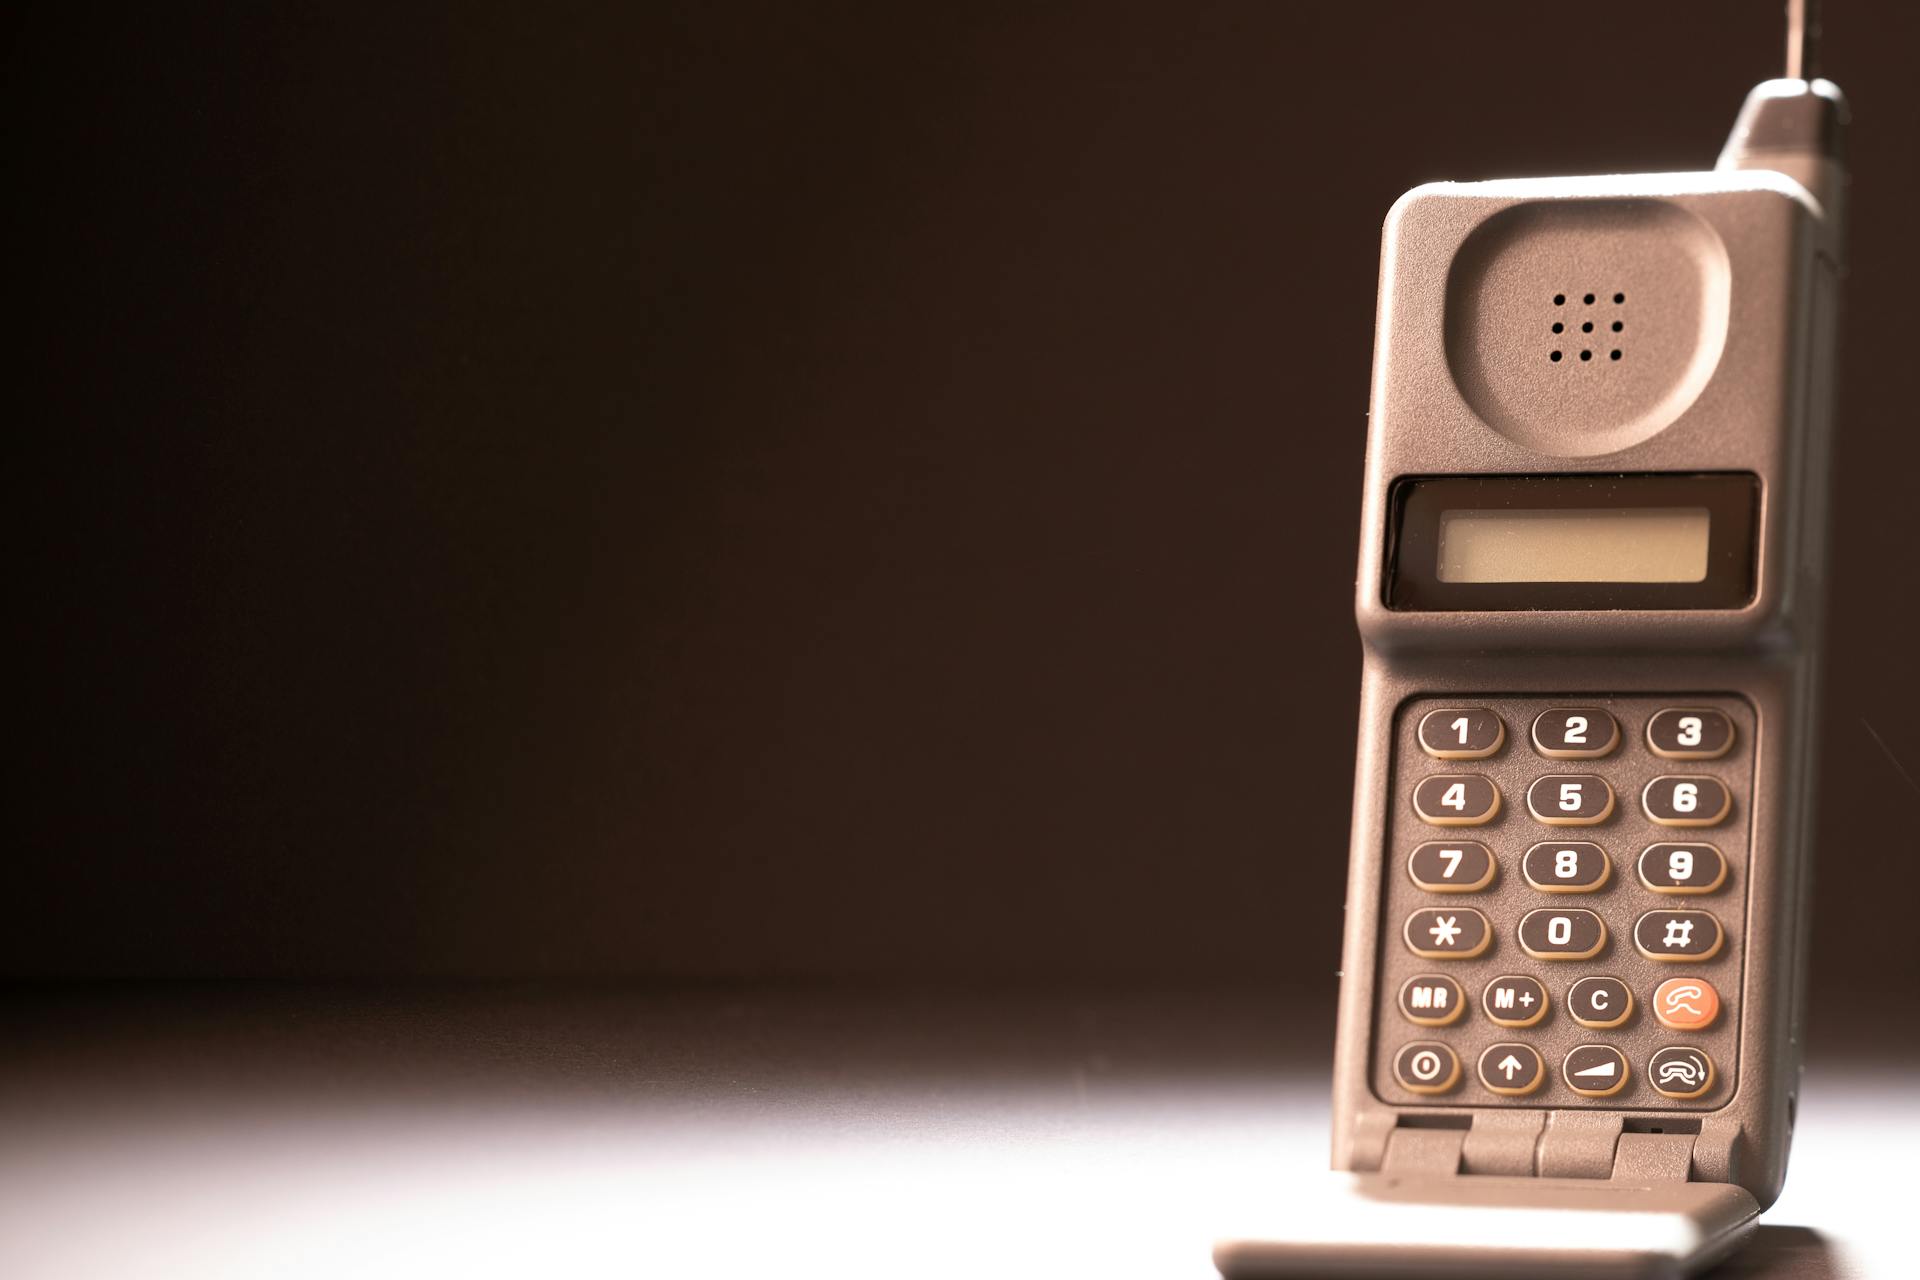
(1461, 733)
(1447, 933)
(1426, 1066)
(1456, 800)
(1451, 866)
(1570, 800)
(1550, 934)
(1681, 801)
(1575, 733)
(1690, 733)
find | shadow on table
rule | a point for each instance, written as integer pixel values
(1783, 1253)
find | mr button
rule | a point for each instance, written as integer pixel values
(1432, 1000)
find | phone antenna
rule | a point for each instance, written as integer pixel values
(1803, 39)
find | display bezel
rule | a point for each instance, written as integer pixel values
(1731, 499)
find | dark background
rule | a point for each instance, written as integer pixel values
(777, 490)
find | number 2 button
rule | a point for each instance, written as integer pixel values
(1456, 800)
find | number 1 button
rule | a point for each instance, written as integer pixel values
(1456, 800)
(1461, 733)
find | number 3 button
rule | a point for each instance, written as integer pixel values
(1570, 800)
(1456, 800)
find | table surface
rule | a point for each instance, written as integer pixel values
(728, 1131)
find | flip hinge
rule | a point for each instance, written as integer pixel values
(1546, 1144)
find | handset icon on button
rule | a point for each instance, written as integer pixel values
(1686, 1004)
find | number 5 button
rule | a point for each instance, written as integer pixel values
(1679, 801)
(1570, 800)
(1456, 800)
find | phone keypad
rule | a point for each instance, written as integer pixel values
(1621, 1001)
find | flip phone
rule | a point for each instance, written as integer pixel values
(1589, 593)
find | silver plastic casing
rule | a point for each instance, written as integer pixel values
(1728, 366)
(1748, 262)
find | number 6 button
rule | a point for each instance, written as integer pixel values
(1570, 800)
(1456, 800)
(1680, 801)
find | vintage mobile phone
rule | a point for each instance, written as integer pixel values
(1590, 599)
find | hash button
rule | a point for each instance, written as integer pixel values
(1678, 936)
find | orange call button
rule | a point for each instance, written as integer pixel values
(1686, 1004)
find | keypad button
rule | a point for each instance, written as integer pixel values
(1677, 935)
(1682, 868)
(1513, 1070)
(1686, 1004)
(1570, 800)
(1432, 1000)
(1456, 800)
(1451, 866)
(1514, 1001)
(1573, 866)
(1680, 1071)
(1575, 733)
(1461, 733)
(1600, 1003)
(1426, 1066)
(1554, 934)
(1595, 1070)
(1690, 733)
(1682, 800)
(1447, 933)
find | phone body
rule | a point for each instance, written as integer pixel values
(1589, 593)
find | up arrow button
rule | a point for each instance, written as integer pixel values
(1511, 1069)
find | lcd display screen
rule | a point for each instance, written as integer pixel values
(1676, 540)
(1649, 544)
